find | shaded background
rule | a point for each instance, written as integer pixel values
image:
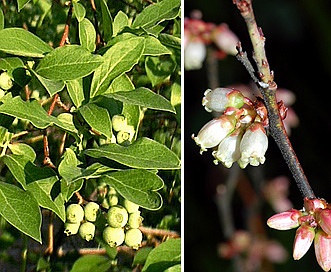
(298, 46)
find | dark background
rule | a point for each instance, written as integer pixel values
(298, 47)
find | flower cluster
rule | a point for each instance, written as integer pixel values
(314, 224)
(198, 34)
(239, 131)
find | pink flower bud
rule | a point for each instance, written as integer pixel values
(303, 239)
(225, 39)
(228, 150)
(323, 218)
(285, 220)
(253, 146)
(311, 205)
(214, 132)
(194, 54)
(322, 245)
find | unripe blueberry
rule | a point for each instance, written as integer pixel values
(113, 236)
(134, 220)
(71, 228)
(75, 213)
(130, 206)
(91, 211)
(118, 122)
(133, 238)
(117, 216)
(5, 81)
(87, 230)
(125, 135)
(113, 200)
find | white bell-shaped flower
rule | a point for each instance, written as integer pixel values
(253, 146)
(212, 133)
(194, 54)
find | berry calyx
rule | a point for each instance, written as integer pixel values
(113, 236)
(117, 216)
(74, 213)
(133, 238)
(91, 211)
(87, 231)
(71, 228)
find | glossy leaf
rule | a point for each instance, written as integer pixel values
(119, 59)
(158, 70)
(157, 13)
(20, 42)
(98, 118)
(51, 86)
(79, 11)
(107, 21)
(95, 263)
(137, 185)
(24, 150)
(143, 153)
(121, 20)
(143, 97)
(21, 210)
(68, 62)
(76, 91)
(154, 47)
(21, 4)
(166, 255)
(87, 34)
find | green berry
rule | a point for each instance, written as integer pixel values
(75, 213)
(113, 200)
(135, 220)
(130, 206)
(5, 81)
(113, 236)
(117, 216)
(71, 228)
(133, 238)
(118, 122)
(91, 211)
(87, 230)
(125, 135)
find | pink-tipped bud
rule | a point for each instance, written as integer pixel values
(214, 132)
(322, 245)
(303, 239)
(228, 150)
(253, 146)
(285, 220)
(323, 218)
(313, 204)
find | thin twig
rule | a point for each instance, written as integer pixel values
(268, 89)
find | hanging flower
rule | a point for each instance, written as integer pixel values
(225, 39)
(194, 54)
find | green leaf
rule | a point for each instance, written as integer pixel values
(141, 256)
(51, 86)
(95, 263)
(120, 58)
(68, 168)
(138, 186)
(79, 10)
(154, 47)
(21, 4)
(10, 64)
(2, 20)
(164, 256)
(121, 83)
(76, 91)
(24, 150)
(143, 97)
(107, 21)
(68, 188)
(31, 111)
(20, 42)
(157, 13)
(170, 41)
(66, 122)
(41, 190)
(158, 70)
(121, 20)
(143, 153)
(175, 268)
(98, 118)
(96, 170)
(68, 62)
(21, 210)
(87, 34)
(25, 171)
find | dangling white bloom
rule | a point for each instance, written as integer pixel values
(214, 132)
(253, 146)
(225, 39)
(194, 55)
(228, 150)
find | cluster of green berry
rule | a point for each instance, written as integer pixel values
(121, 224)
(124, 132)
(6, 83)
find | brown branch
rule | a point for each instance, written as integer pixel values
(159, 232)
